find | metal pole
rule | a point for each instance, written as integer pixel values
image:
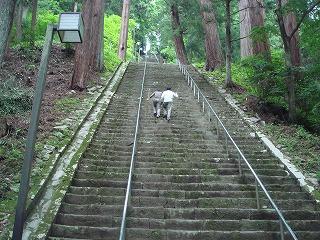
(227, 145)
(240, 167)
(198, 95)
(281, 230)
(257, 195)
(217, 126)
(20, 215)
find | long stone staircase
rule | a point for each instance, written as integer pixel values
(185, 185)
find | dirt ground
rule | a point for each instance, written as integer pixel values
(22, 66)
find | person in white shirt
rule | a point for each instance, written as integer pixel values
(167, 99)
(156, 103)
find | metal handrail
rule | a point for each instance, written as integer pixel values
(134, 149)
(198, 92)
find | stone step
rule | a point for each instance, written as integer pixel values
(140, 233)
(220, 213)
(92, 209)
(182, 149)
(220, 202)
(210, 178)
(184, 224)
(181, 194)
(84, 232)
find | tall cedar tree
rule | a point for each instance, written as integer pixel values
(18, 20)
(34, 19)
(88, 53)
(252, 16)
(289, 29)
(178, 35)
(228, 81)
(6, 18)
(214, 56)
(124, 30)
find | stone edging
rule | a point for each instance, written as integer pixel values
(62, 151)
(285, 160)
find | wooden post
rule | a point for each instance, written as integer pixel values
(20, 216)
(124, 30)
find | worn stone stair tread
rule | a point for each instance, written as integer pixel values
(185, 224)
(90, 209)
(220, 202)
(210, 186)
(221, 213)
(141, 233)
(84, 231)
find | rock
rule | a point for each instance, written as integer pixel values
(253, 135)
(61, 127)
(254, 119)
(314, 181)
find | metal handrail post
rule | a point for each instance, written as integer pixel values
(257, 195)
(240, 167)
(134, 149)
(20, 215)
(227, 150)
(281, 230)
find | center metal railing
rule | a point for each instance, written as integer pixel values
(229, 142)
(133, 156)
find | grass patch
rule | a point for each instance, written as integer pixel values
(302, 146)
(67, 104)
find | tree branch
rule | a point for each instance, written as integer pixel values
(306, 13)
(238, 39)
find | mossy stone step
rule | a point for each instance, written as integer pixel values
(220, 202)
(220, 213)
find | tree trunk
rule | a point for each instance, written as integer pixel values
(178, 35)
(124, 30)
(101, 66)
(82, 55)
(97, 34)
(19, 21)
(287, 24)
(6, 18)
(252, 15)
(34, 20)
(228, 81)
(88, 53)
(214, 57)
(3, 127)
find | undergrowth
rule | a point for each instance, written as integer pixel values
(302, 146)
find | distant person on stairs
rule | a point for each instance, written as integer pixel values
(156, 103)
(167, 99)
